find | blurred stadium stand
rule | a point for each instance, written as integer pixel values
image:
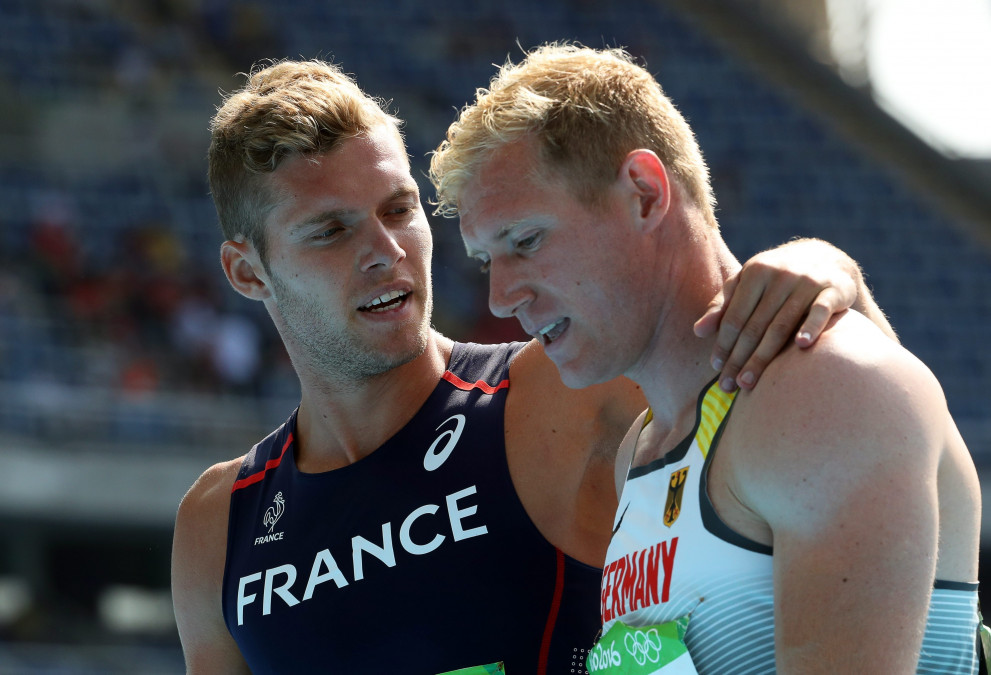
(127, 365)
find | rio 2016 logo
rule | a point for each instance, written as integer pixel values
(602, 657)
(643, 645)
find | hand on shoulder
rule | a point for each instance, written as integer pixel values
(855, 382)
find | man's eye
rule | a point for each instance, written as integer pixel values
(529, 242)
(401, 210)
(329, 233)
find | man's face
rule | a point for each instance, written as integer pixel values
(349, 251)
(563, 268)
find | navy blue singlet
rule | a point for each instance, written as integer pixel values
(418, 558)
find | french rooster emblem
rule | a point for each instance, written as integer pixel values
(274, 512)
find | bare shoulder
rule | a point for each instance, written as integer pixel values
(209, 495)
(856, 404)
(854, 380)
(200, 538)
(841, 454)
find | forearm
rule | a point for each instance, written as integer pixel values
(864, 301)
(866, 305)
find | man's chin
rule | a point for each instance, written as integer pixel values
(574, 376)
(406, 348)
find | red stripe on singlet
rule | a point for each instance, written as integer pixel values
(468, 386)
(545, 645)
(269, 465)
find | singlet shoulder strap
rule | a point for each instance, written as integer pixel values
(484, 367)
(712, 410)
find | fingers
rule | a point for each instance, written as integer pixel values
(738, 306)
(799, 284)
(769, 328)
(708, 324)
(827, 303)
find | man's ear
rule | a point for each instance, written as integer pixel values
(644, 173)
(244, 269)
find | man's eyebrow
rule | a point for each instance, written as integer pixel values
(503, 232)
(342, 213)
(405, 191)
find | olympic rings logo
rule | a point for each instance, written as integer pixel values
(643, 646)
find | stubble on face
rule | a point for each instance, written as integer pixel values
(316, 283)
(334, 350)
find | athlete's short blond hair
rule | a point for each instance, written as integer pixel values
(588, 109)
(286, 108)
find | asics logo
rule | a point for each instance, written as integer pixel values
(436, 456)
(643, 646)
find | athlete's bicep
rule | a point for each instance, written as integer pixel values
(846, 481)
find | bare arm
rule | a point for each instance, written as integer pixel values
(561, 446)
(845, 476)
(198, 557)
(799, 286)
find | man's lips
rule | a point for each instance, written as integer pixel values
(553, 330)
(386, 301)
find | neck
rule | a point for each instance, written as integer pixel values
(676, 365)
(339, 424)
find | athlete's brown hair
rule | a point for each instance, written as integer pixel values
(286, 108)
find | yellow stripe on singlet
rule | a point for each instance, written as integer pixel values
(647, 419)
(714, 407)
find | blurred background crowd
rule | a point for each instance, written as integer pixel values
(126, 363)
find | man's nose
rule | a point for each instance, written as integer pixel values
(507, 291)
(382, 247)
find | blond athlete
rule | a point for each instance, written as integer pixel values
(826, 521)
